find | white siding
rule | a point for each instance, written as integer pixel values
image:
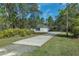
(42, 30)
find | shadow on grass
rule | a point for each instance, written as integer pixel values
(64, 35)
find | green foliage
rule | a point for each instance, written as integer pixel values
(50, 22)
(13, 32)
(75, 22)
(9, 12)
(24, 32)
(75, 27)
(2, 20)
(69, 19)
(75, 31)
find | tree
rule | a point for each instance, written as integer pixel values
(75, 28)
(17, 13)
(68, 17)
(50, 22)
(61, 20)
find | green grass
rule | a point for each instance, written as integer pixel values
(7, 41)
(58, 46)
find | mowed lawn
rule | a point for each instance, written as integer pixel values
(58, 46)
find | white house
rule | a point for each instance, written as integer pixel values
(41, 28)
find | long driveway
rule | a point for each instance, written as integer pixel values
(35, 41)
(25, 45)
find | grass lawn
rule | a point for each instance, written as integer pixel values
(58, 46)
(7, 41)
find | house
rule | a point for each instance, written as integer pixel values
(41, 28)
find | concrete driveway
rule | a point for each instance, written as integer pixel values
(25, 45)
(35, 41)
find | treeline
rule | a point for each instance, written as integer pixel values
(22, 15)
(28, 15)
(68, 19)
(15, 15)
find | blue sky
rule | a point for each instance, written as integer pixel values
(50, 9)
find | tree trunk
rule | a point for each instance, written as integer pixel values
(67, 24)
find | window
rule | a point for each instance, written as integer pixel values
(37, 29)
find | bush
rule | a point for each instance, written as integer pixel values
(13, 32)
(75, 31)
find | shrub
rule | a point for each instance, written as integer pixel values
(13, 32)
(22, 32)
(75, 31)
